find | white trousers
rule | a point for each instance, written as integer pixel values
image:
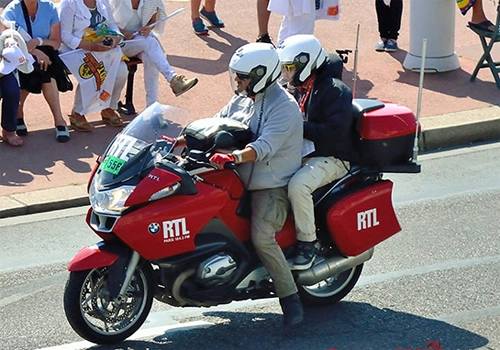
(315, 172)
(121, 79)
(291, 25)
(149, 50)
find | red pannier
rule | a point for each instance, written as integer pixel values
(363, 218)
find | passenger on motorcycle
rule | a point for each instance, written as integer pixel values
(326, 105)
(268, 162)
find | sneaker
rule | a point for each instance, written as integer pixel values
(180, 84)
(199, 27)
(380, 46)
(293, 313)
(212, 18)
(306, 253)
(391, 45)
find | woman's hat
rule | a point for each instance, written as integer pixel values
(14, 53)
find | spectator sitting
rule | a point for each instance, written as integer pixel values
(14, 55)
(138, 20)
(76, 17)
(478, 19)
(40, 20)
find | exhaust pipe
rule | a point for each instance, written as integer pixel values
(331, 267)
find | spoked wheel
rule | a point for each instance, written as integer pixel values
(97, 317)
(332, 289)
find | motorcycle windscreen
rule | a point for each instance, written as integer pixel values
(363, 219)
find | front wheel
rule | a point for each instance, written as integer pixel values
(331, 290)
(97, 317)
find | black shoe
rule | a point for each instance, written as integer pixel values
(293, 314)
(306, 253)
(264, 38)
(21, 129)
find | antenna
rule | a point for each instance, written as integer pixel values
(355, 64)
(419, 103)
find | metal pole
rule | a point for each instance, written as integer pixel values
(419, 103)
(355, 65)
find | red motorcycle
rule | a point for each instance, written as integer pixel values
(173, 228)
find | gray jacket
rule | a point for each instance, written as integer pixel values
(278, 142)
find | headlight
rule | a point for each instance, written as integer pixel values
(110, 201)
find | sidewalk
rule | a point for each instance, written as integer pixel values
(45, 175)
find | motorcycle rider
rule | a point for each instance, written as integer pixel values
(267, 163)
(326, 105)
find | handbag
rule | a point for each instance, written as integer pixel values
(57, 70)
(327, 9)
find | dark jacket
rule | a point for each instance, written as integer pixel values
(329, 115)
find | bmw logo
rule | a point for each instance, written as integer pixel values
(153, 228)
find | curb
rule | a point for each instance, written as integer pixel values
(473, 126)
(468, 127)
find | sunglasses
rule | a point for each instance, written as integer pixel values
(242, 76)
(288, 67)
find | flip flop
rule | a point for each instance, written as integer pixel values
(485, 26)
(11, 138)
(62, 133)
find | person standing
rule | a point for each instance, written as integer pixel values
(267, 163)
(140, 21)
(299, 17)
(389, 13)
(326, 105)
(208, 13)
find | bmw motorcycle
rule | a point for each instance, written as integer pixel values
(173, 228)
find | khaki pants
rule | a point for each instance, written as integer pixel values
(269, 211)
(315, 172)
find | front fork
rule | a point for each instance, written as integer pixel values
(129, 273)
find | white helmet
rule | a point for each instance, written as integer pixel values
(305, 52)
(258, 62)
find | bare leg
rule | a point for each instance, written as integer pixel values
(22, 98)
(478, 15)
(195, 8)
(210, 5)
(263, 16)
(51, 95)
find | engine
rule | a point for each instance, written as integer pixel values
(216, 270)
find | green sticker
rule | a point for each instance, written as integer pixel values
(112, 165)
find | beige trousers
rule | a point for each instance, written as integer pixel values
(315, 172)
(270, 208)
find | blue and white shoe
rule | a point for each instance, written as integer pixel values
(199, 27)
(212, 18)
(391, 45)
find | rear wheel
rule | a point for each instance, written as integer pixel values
(331, 290)
(98, 318)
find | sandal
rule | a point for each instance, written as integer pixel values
(21, 129)
(111, 117)
(62, 133)
(485, 26)
(78, 122)
(11, 138)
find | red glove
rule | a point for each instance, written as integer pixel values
(220, 159)
(170, 139)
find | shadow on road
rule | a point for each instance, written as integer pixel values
(347, 325)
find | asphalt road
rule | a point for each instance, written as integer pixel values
(432, 286)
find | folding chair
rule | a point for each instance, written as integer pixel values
(487, 41)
